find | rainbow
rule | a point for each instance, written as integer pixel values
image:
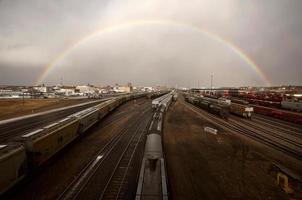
(121, 26)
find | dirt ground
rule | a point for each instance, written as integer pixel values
(202, 165)
(15, 107)
(50, 182)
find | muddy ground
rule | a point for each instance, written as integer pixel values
(202, 165)
(16, 107)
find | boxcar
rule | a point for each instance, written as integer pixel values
(13, 165)
(241, 110)
(222, 111)
(43, 143)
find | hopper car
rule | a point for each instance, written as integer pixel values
(43, 143)
(210, 105)
(26, 153)
(87, 118)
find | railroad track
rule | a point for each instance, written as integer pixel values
(117, 116)
(281, 143)
(106, 173)
(295, 132)
(238, 128)
(289, 138)
(279, 123)
(13, 129)
(115, 187)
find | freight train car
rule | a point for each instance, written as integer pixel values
(273, 104)
(292, 105)
(157, 102)
(152, 182)
(43, 143)
(241, 110)
(222, 111)
(280, 114)
(31, 150)
(115, 103)
(210, 105)
(87, 118)
(175, 96)
(166, 102)
(13, 165)
(103, 109)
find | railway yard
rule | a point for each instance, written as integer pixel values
(132, 147)
(231, 163)
(108, 139)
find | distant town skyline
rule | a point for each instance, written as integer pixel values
(250, 43)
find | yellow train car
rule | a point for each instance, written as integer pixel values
(113, 104)
(87, 118)
(13, 165)
(245, 111)
(43, 143)
(103, 110)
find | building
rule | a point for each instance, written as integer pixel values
(87, 89)
(41, 88)
(67, 90)
(122, 89)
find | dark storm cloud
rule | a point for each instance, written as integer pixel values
(34, 33)
(14, 75)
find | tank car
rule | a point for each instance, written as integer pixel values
(213, 107)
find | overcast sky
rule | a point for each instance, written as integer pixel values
(33, 33)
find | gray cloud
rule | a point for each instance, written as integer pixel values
(34, 33)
